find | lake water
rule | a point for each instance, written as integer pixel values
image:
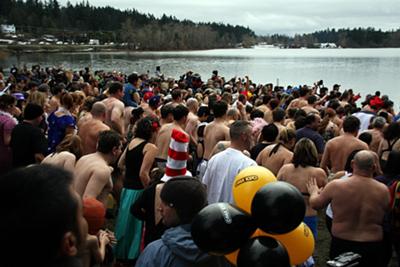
(363, 70)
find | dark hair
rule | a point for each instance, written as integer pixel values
(133, 78)
(256, 113)
(67, 100)
(311, 99)
(351, 124)
(58, 88)
(107, 141)
(392, 131)
(179, 112)
(266, 99)
(278, 115)
(273, 103)
(220, 108)
(391, 168)
(146, 127)
(32, 111)
(166, 110)
(6, 101)
(40, 207)
(269, 132)
(347, 166)
(303, 91)
(176, 93)
(366, 137)
(187, 195)
(115, 87)
(305, 153)
(310, 118)
(203, 110)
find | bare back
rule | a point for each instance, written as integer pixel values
(163, 139)
(93, 177)
(337, 151)
(63, 159)
(115, 114)
(377, 137)
(89, 133)
(358, 205)
(213, 133)
(274, 162)
(299, 177)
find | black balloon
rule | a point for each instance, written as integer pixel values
(278, 208)
(263, 252)
(221, 228)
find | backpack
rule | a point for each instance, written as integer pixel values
(395, 209)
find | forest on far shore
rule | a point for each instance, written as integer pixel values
(81, 22)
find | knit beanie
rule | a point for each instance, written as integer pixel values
(186, 194)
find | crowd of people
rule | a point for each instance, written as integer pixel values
(78, 146)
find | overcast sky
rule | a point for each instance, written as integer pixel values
(272, 16)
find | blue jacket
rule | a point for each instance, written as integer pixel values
(129, 90)
(177, 249)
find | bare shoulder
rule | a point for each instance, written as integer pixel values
(67, 155)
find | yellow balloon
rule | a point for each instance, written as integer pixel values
(248, 182)
(299, 243)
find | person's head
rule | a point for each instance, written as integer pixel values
(193, 105)
(67, 101)
(392, 131)
(203, 113)
(167, 113)
(305, 153)
(351, 125)
(180, 114)
(176, 95)
(33, 113)
(366, 137)
(256, 113)
(233, 114)
(288, 138)
(133, 79)
(43, 217)
(378, 122)
(391, 168)
(311, 100)
(37, 98)
(364, 163)
(147, 128)
(313, 121)
(182, 198)
(269, 132)
(220, 108)
(348, 166)
(58, 89)
(71, 143)
(7, 102)
(109, 143)
(278, 115)
(99, 110)
(116, 89)
(240, 133)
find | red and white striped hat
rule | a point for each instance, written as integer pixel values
(177, 156)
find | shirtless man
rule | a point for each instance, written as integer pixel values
(167, 115)
(177, 98)
(311, 103)
(339, 148)
(89, 130)
(301, 101)
(214, 132)
(278, 117)
(180, 113)
(377, 133)
(93, 171)
(115, 108)
(359, 203)
(193, 120)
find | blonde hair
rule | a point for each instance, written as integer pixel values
(37, 98)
